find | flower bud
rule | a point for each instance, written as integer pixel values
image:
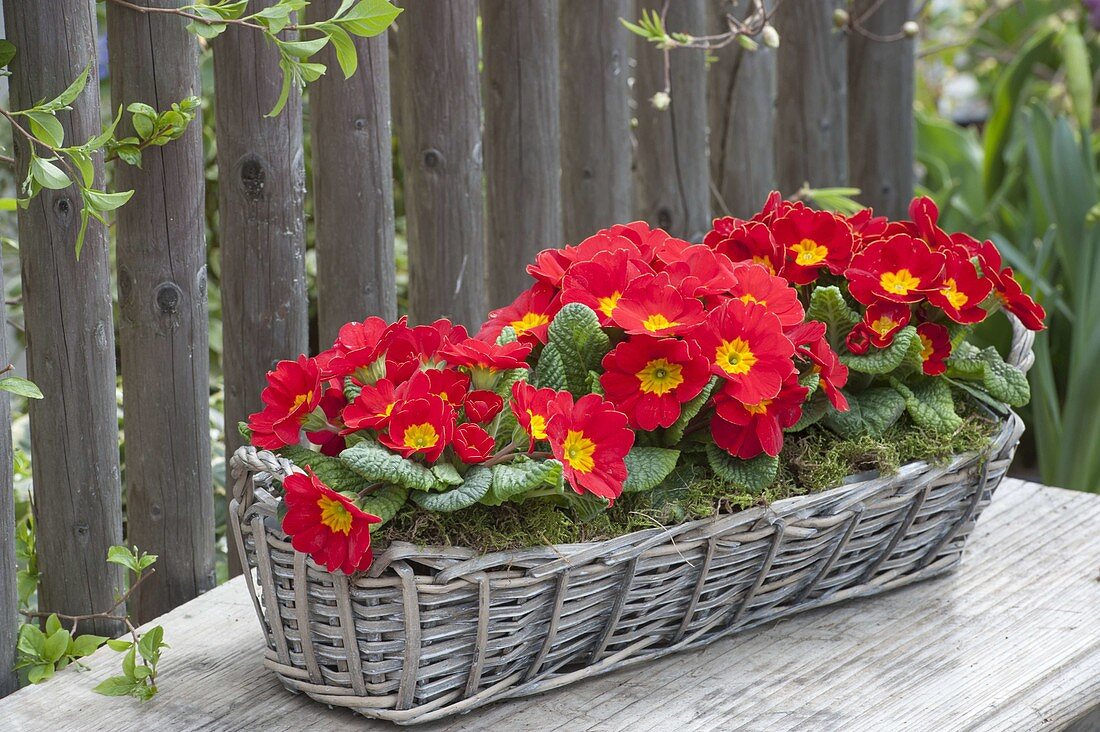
(660, 101)
(840, 17)
(910, 29)
(770, 36)
(747, 43)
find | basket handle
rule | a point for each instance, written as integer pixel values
(248, 461)
(1020, 354)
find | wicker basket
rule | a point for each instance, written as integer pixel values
(441, 630)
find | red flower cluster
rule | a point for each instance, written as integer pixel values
(682, 313)
(422, 390)
(326, 525)
(900, 271)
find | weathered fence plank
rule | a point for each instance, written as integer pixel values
(741, 115)
(672, 173)
(352, 149)
(811, 113)
(261, 188)
(440, 140)
(161, 259)
(880, 107)
(595, 115)
(70, 336)
(522, 138)
(9, 595)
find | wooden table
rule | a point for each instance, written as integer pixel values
(1011, 641)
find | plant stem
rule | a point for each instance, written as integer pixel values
(105, 614)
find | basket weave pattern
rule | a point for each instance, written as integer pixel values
(433, 631)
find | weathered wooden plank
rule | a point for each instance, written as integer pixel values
(352, 148)
(672, 188)
(810, 114)
(596, 151)
(440, 140)
(261, 189)
(741, 118)
(161, 259)
(522, 139)
(1009, 641)
(880, 107)
(70, 336)
(9, 595)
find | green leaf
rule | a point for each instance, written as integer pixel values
(56, 645)
(346, 55)
(86, 645)
(646, 467)
(67, 97)
(871, 412)
(150, 644)
(812, 412)
(929, 404)
(32, 641)
(102, 201)
(586, 506)
(118, 644)
(284, 91)
(48, 175)
(578, 338)
(46, 128)
(40, 672)
(828, 306)
(119, 554)
(115, 686)
(675, 433)
(749, 475)
(473, 489)
(882, 360)
(507, 335)
(551, 371)
(447, 474)
(7, 52)
(129, 662)
(511, 481)
(303, 49)
(53, 624)
(1002, 380)
(378, 465)
(385, 503)
(369, 17)
(332, 471)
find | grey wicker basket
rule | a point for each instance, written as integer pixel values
(434, 631)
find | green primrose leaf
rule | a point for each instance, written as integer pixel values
(378, 465)
(828, 306)
(688, 411)
(512, 481)
(384, 503)
(751, 475)
(882, 360)
(576, 335)
(447, 474)
(550, 372)
(332, 471)
(646, 467)
(929, 404)
(473, 489)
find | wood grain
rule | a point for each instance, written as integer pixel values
(9, 595)
(672, 172)
(522, 139)
(440, 140)
(741, 118)
(261, 189)
(161, 260)
(352, 149)
(70, 334)
(811, 112)
(596, 150)
(880, 108)
(1009, 641)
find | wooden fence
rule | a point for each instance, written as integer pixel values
(544, 138)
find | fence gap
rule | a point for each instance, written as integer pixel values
(880, 107)
(672, 174)
(352, 159)
(596, 150)
(522, 138)
(811, 112)
(741, 114)
(261, 188)
(440, 140)
(9, 593)
(161, 258)
(71, 342)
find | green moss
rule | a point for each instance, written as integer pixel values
(811, 461)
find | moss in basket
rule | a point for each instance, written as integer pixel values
(811, 461)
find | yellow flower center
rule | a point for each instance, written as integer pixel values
(335, 515)
(950, 291)
(884, 325)
(808, 252)
(538, 425)
(926, 347)
(657, 322)
(529, 321)
(901, 282)
(735, 357)
(420, 436)
(767, 263)
(578, 450)
(302, 399)
(660, 377)
(387, 411)
(761, 408)
(607, 304)
(749, 300)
